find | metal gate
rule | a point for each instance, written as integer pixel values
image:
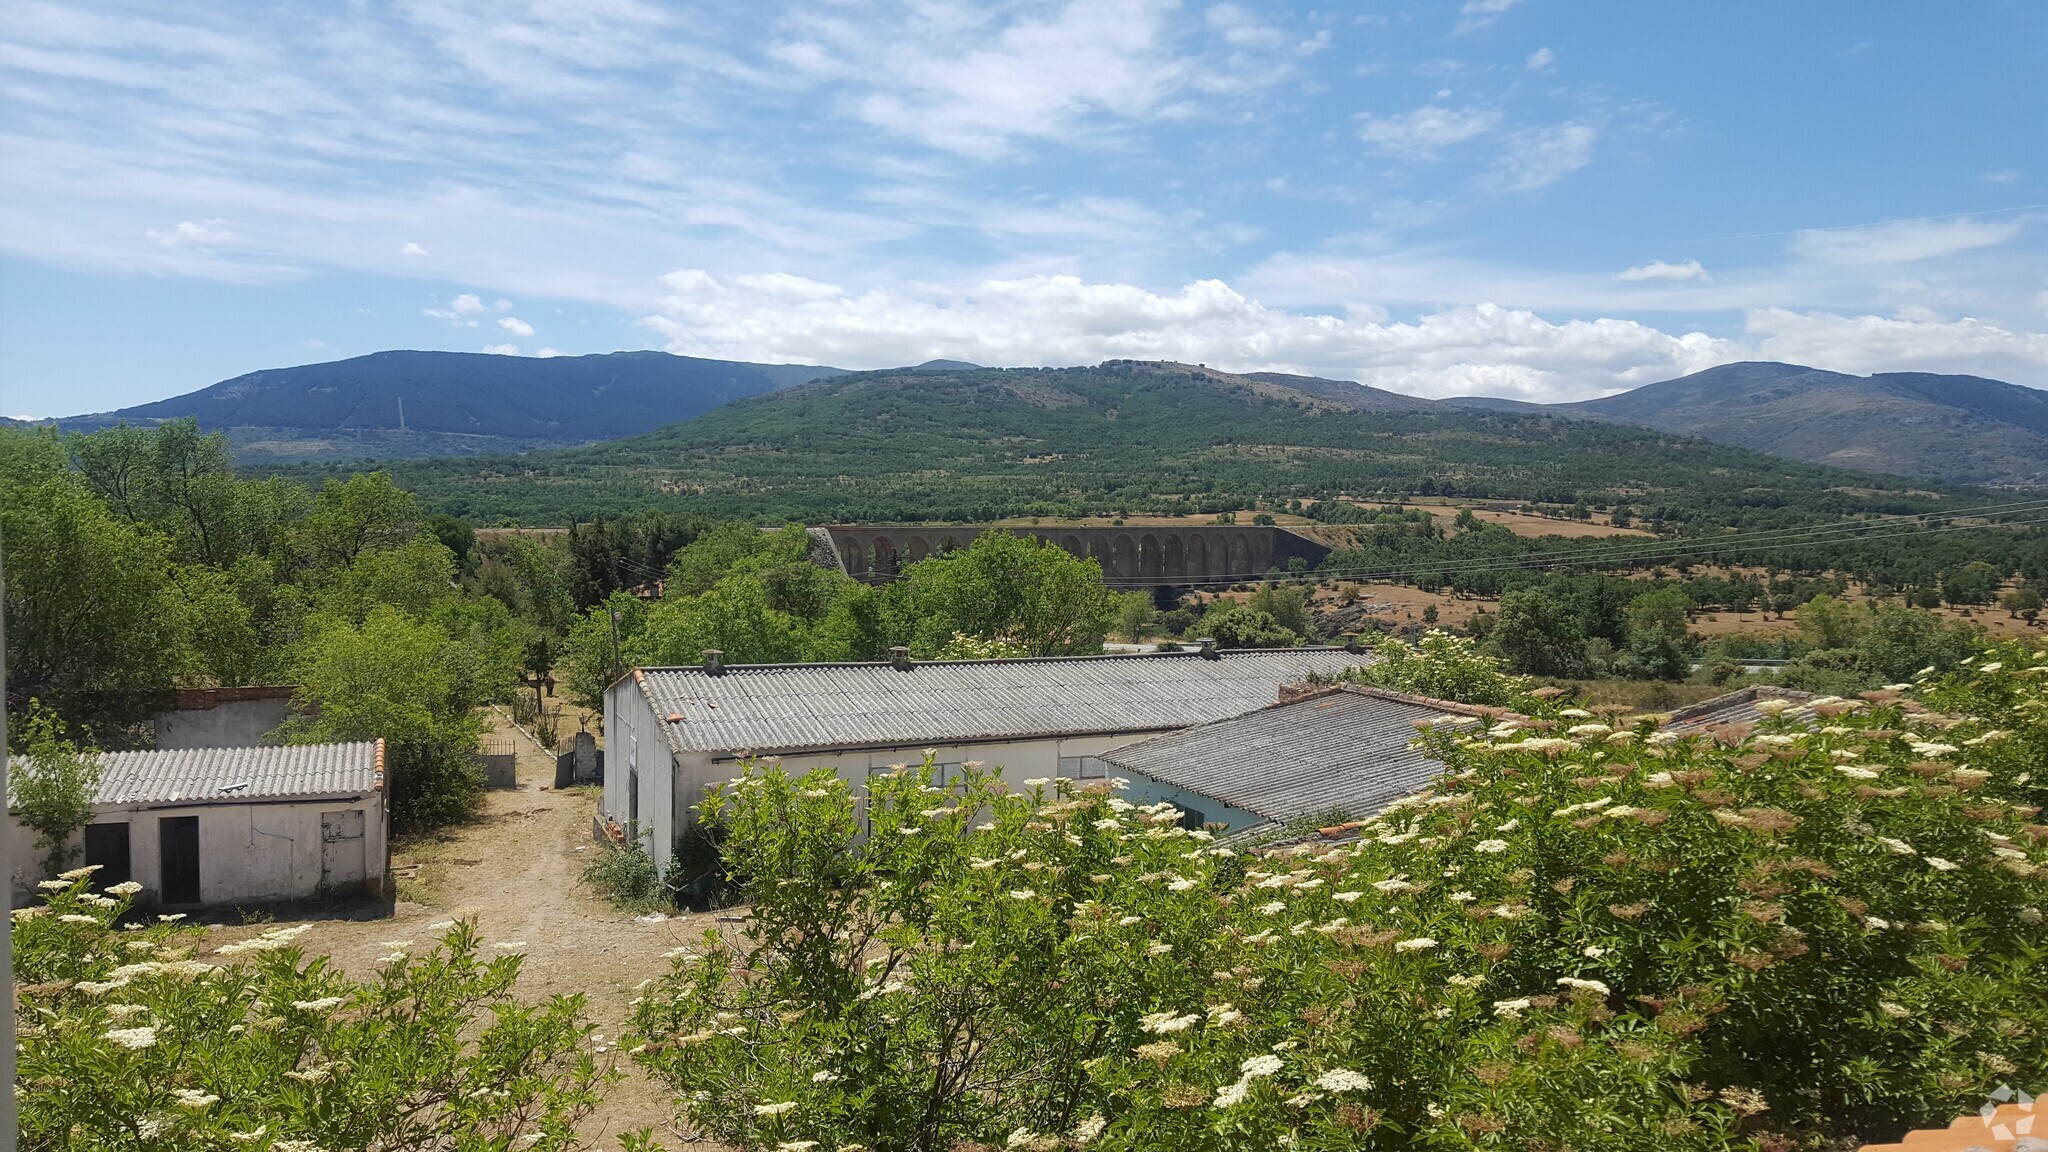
(341, 849)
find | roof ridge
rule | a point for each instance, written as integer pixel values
(643, 670)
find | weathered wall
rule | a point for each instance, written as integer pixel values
(222, 718)
(1137, 556)
(250, 853)
(637, 760)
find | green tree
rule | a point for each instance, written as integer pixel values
(1287, 604)
(1236, 625)
(51, 788)
(404, 681)
(1973, 583)
(732, 616)
(1005, 587)
(2022, 601)
(1135, 615)
(1538, 636)
(1826, 622)
(365, 512)
(1659, 645)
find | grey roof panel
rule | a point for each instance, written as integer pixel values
(213, 775)
(1349, 749)
(1738, 707)
(794, 707)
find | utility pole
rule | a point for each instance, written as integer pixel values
(616, 670)
(401, 415)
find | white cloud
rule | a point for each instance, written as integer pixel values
(198, 233)
(2001, 176)
(547, 353)
(1541, 59)
(501, 349)
(1064, 320)
(1681, 273)
(1539, 157)
(514, 326)
(412, 249)
(1864, 344)
(461, 311)
(1901, 241)
(1477, 14)
(1422, 133)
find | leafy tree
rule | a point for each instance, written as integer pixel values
(1826, 622)
(732, 616)
(402, 680)
(587, 651)
(1135, 615)
(1970, 584)
(1659, 646)
(1287, 604)
(2023, 601)
(362, 513)
(52, 787)
(1445, 667)
(1006, 587)
(1538, 636)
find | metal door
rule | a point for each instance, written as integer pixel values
(178, 852)
(341, 848)
(107, 846)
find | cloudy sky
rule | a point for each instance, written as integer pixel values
(1532, 198)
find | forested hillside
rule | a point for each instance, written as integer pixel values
(1121, 437)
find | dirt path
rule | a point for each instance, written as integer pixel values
(516, 869)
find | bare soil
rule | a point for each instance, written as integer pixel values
(516, 869)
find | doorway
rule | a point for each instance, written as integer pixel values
(178, 842)
(106, 845)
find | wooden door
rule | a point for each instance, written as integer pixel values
(178, 849)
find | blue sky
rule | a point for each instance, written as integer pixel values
(1527, 198)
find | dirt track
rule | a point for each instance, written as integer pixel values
(515, 869)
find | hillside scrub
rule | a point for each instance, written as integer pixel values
(1773, 937)
(145, 1036)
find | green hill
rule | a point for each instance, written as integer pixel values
(978, 444)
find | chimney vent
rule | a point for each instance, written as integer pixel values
(899, 657)
(1351, 642)
(1207, 646)
(714, 662)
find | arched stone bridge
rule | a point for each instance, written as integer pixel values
(1137, 556)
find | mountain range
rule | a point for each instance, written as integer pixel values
(397, 405)
(403, 405)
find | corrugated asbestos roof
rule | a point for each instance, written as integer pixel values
(1348, 748)
(815, 707)
(1738, 707)
(215, 775)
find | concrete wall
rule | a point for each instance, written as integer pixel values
(249, 853)
(638, 759)
(227, 724)
(1144, 789)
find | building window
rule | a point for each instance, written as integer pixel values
(1191, 819)
(946, 774)
(1083, 767)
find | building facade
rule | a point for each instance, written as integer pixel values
(671, 733)
(227, 827)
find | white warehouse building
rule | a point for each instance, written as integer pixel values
(670, 733)
(226, 827)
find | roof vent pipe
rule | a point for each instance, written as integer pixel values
(899, 658)
(1206, 645)
(1351, 643)
(714, 662)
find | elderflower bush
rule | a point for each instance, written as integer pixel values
(149, 1038)
(1769, 937)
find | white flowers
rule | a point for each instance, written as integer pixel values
(1941, 865)
(125, 888)
(1345, 897)
(1511, 1009)
(1158, 949)
(1343, 1080)
(824, 1077)
(1254, 1067)
(324, 1004)
(1490, 847)
(1165, 1023)
(1897, 847)
(1856, 772)
(1418, 944)
(1023, 894)
(1087, 1130)
(1774, 708)
(133, 1039)
(1933, 751)
(777, 1109)
(1182, 885)
(194, 1099)
(1577, 984)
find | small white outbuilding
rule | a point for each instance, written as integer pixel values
(200, 827)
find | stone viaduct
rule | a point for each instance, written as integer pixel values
(1137, 556)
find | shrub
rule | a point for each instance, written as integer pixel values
(1447, 667)
(127, 1041)
(624, 874)
(1780, 937)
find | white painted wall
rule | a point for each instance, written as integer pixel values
(249, 853)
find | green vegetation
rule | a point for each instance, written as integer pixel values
(1794, 938)
(1121, 438)
(51, 789)
(127, 1042)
